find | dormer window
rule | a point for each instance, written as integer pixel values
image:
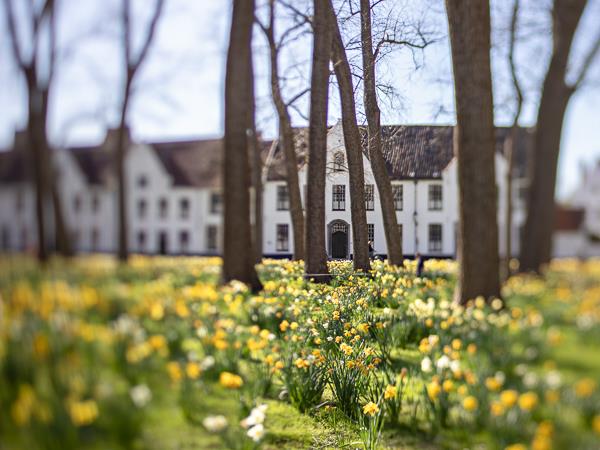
(338, 162)
(142, 181)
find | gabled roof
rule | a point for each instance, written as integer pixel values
(14, 167)
(276, 164)
(192, 163)
(410, 152)
(94, 162)
(416, 151)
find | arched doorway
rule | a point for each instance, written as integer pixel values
(338, 239)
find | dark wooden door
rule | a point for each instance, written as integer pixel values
(162, 243)
(339, 244)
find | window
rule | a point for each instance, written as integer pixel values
(371, 233)
(162, 208)
(435, 237)
(339, 197)
(216, 203)
(184, 208)
(142, 207)
(142, 181)
(435, 197)
(283, 240)
(398, 193)
(211, 237)
(141, 240)
(95, 203)
(95, 239)
(283, 199)
(369, 197)
(338, 162)
(184, 240)
(76, 203)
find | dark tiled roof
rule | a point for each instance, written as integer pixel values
(95, 163)
(276, 164)
(410, 151)
(421, 151)
(568, 219)
(14, 167)
(192, 163)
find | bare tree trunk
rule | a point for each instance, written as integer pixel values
(120, 151)
(39, 161)
(382, 179)
(238, 257)
(131, 65)
(469, 25)
(63, 238)
(511, 141)
(536, 242)
(256, 171)
(286, 139)
(316, 256)
(353, 147)
(509, 153)
(257, 200)
(38, 88)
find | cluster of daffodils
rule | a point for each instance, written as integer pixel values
(111, 339)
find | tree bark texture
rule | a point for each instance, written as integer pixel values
(256, 175)
(286, 141)
(120, 153)
(382, 179)
(316, 255)
(353, 146)
(238, 255)
(536, 242)
(469, 25)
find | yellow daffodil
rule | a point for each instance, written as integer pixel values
(370, 409)
(390, 392)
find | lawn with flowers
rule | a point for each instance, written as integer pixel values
(155, 355)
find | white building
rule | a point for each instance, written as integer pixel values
(578, 221)
(174, 200)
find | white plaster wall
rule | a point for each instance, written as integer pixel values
(19, 223)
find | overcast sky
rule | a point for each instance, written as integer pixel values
(180, 90)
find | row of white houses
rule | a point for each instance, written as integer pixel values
(174, 199)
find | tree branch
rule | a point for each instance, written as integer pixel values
(151, 32)
(589, 59)
(13, 35)
(511, 61)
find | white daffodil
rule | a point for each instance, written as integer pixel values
(426, 365)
